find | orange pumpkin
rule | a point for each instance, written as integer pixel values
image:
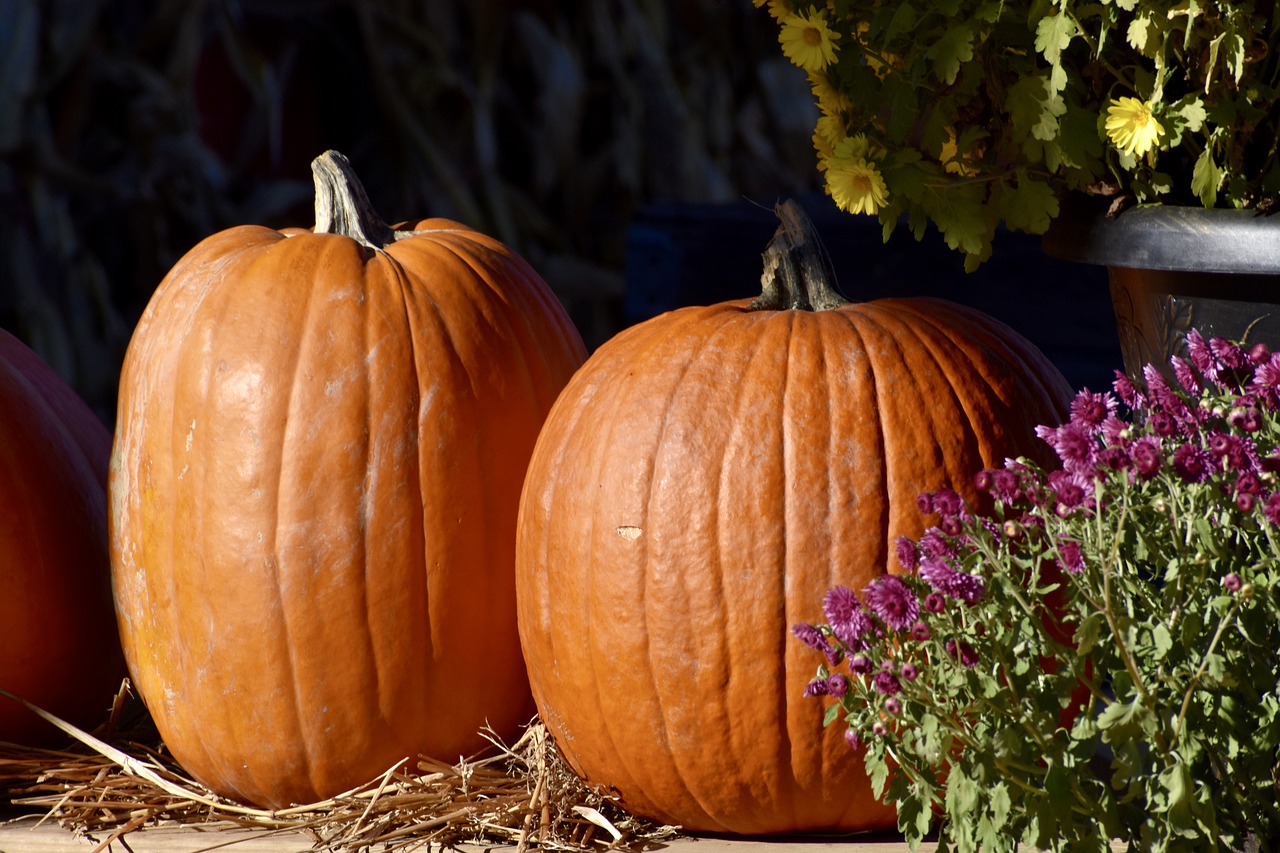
(702, 481)
(314, 486)
(58, 644)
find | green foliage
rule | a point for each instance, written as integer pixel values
(1039, 80)
(1097, 655)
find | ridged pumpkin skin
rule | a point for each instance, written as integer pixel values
(314, 489)
(701, 482)
(58, 643)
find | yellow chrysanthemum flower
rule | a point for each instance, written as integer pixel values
(830, 99)
(827, 133)
(1132, 127)
(778, 9)
(807, 40)
(855, 184)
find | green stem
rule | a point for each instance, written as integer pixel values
(1200, 671)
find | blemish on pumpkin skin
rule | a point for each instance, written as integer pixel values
(630, 533)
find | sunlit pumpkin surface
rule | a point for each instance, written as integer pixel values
(700, 484)
(313, 496)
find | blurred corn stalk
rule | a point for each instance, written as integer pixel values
(130, 129)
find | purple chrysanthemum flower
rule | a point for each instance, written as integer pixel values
(879, 729)
(886, 682)
(947, 503)
(837, 685)
(1232, 582)
(1071, 491)
(920, 631)
(892, 706)
(1070, 556)
(1193, 464)
(840, 604)
(1163, 398)
(1201, 355)
(1114, 459)
(1266, 381)
(1163, 424)
(1005, 486)
(1146, 456)
(1259, 353)
(849, 622)
(1127, 391)
(860, 664)
(893, 601)
(811, 637)
(951, 583)
(910, 672)
(935, 546)
(1236, 453)
(851, 738)
(816, 687)
(1245, 502)
(1271, 509)
(1248, 483)
(1114, 431)
(1185, 375)
(907, 553)
(1089, 410)
(1229, 354)
(1073, 443)
(934, 602)
(1245, 418)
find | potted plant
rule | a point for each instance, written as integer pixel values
(1095, 653)
(965, 114)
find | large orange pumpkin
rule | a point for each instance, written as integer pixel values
(701, 482)
(321, 442)
(58, 644)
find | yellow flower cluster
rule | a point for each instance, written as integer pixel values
(853, 173)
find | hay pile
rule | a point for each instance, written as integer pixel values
(523, 794)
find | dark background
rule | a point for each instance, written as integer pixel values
(631, 150)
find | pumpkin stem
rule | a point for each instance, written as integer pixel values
(797, 272)
(342, 206)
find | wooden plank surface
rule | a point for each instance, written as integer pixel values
(23, 836)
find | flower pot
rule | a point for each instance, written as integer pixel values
(1173, 269)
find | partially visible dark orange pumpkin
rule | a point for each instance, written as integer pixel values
(58, 642)
(320, 447)
(702, 481)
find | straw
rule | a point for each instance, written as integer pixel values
(118, 782)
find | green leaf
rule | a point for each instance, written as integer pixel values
(950, 52)
(878, 772)
(1206, 178)
(1125, 721)
(1139, 29)
(1191, 112)
(1088, 632)
(1053, 34)
(999, 804)
(1028, 205)
(1162, 641)
(832, 714)
(962, 794)
(957, 210)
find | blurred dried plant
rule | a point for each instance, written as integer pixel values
(131, 129)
